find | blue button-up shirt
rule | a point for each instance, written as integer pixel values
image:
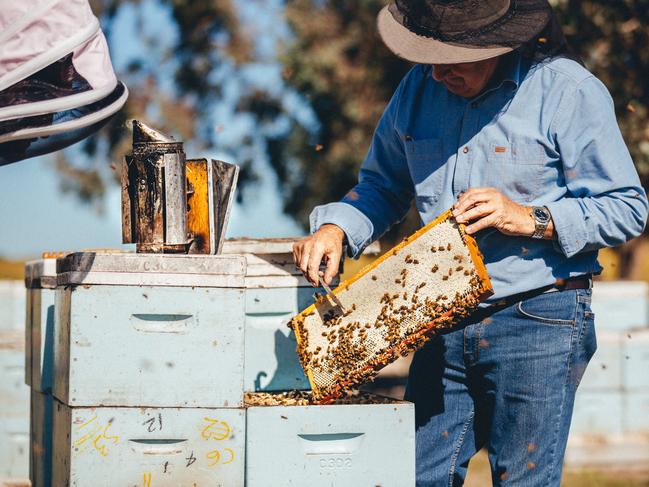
(544, 134)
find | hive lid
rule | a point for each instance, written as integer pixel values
(40, 273)
(259, 245)
(151, 269)
(273, 246)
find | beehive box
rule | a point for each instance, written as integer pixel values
(361, 445)
(149, 330)
(635, 361)
(276, 291)
(621, 305)
(40, 283)
(427, 283)
(636, 413)
(604, 371)
(615, 452)
(12, 305)
(108, 447)
(14, 407)
(14, 449)
(41, 431)
(598, 413)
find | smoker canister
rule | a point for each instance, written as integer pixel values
(153, 193)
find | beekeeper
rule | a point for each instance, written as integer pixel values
(501, 121)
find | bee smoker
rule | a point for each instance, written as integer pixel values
(153, 193)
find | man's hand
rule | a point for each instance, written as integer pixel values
(327, 244)
(487, 207)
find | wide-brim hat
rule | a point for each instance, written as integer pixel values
(460, 31)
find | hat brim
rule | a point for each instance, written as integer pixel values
(425, 50)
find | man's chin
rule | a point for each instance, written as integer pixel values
(460, 90)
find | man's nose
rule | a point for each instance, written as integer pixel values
(440, 71)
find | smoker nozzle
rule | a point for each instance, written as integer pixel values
(142, 133)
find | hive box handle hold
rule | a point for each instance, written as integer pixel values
(162, 323)
(157, 447)
(331, 444)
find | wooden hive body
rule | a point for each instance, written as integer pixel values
(426, 283)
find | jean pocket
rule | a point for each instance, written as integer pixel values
(516, 169)
(426, 165)
(553, 308)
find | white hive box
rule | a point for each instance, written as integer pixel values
(14, 450)
(621, 305)
(635, 361)
(149, 330)
(12, 305)
(40, 283)
(359, 445)
(14, 407)
(597, 414)
(149, 447)
(636, 413)
(276, 291)
(41, 431)
(611, 452)
(604, 371)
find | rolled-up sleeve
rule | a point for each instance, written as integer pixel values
(383, 194)
(605, 205)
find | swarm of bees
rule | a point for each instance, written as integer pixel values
(435, 286)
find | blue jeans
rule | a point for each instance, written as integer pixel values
(506, 383)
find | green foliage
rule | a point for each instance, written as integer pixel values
(208, 35)
(612, 38)
(339, 64)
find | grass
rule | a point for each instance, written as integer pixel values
(480, 476)
(11, 269)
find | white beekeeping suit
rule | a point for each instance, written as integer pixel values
(57, 84)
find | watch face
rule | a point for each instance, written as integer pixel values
(541, 215)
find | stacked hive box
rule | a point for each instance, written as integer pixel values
(148, 359)
(275, 292)
(610, 424)
(289, 445)
(40, 281)
(14, 395)
(150, 369)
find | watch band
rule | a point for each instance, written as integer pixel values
(542, 219)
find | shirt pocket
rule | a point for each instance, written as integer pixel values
(425, 162)
(516, 169)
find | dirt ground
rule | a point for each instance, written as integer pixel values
(479, 476)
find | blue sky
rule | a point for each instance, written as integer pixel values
(35, 216)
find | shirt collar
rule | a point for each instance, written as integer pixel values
(512, 68)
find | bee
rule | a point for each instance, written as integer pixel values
(374, 278)
(434, 269)
(449, 246)
(444, 278)
(459, 268)
(415, 261)
(441, 248)
(433, 249)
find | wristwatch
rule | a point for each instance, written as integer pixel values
(542, 219)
